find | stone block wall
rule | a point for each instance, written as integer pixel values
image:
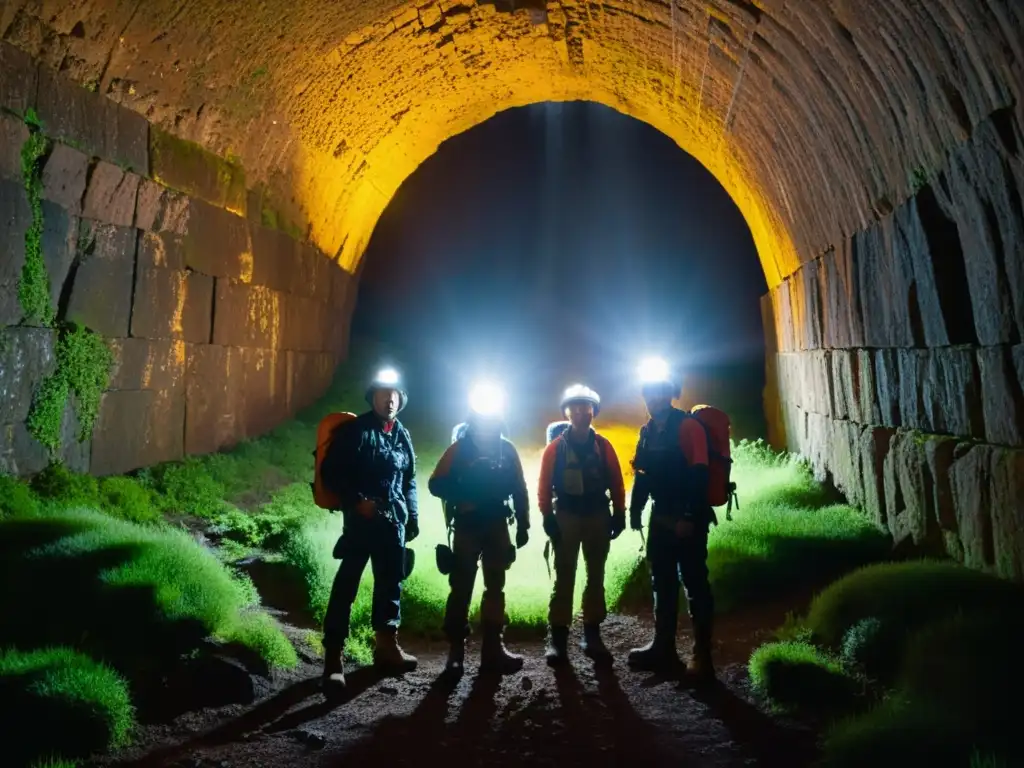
(896, 363)
(221, 325)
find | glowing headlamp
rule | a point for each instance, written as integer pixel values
(387, 377)
(654, 370)
(487, 399)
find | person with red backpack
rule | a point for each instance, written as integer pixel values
(671, 467)
(579, 469)
(369, 471)
(476, 477)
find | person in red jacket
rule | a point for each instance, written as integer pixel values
(671, 466)
(579, 470)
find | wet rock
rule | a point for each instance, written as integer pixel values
(64, 176)
(13, 134)
(162, 210)
(110, 195)
(101, 294)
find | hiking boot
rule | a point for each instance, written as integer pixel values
(659, 655)
(494, 657)
(700, 667)
(456, 663)
(593, 646)
(557, 652)
(389, 656)
(334, 671)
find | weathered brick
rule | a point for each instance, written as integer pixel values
(64, 177)
(15, 218)
(874, 448)
(911, 365)
(1008, 513)
(274, 258)
(21, 454)
(909, 492)
(187, 167)
(810, 289)
(110, 195)
(846, 396)
(213, 398)
(13, 135)
(157, 364)
(887, 387)
(59, 244)
(867, 389)
(163, 250)
(101, 294)
(266, 401)
(247, 316)
(1001, 396)
(138, 428)
(26, 359)
(217, 243)
(18, 79)
(978, 193)
(170, 304)
(951, 393)
(100, 126)
(970, 482)
(884, 278)
(844, 460)
(159, 209)
(842, 326)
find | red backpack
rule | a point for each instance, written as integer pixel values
(324, 435)
(721, 489)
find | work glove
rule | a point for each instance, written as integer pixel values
(551, 529)
(522, 536)
(636, 521)
(412, 529)
(617, 525)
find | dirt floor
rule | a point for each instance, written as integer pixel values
(579, 716)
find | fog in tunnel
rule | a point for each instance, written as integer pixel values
(558, 243)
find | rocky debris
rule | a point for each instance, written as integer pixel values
(311, 737)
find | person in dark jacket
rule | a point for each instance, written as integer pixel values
(476, 477)
(671, 467)
(371, 467)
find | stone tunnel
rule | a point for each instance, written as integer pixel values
(211, 173)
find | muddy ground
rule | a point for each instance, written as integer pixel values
(579, 716)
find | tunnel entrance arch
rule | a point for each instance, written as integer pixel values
(874, 148)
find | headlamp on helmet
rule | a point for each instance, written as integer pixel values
(656, 377)
(578, 393)
(388, 378)
(487, 400)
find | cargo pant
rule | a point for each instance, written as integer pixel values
(382, 544)
(590, 532)
(675, 559)
(485, 541)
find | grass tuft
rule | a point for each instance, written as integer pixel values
(797, 677)
(135, 596)
(85, 705)
(16, 498)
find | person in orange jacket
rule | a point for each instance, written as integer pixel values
(671, 466)
(579, 470)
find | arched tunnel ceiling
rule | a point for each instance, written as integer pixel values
(815, 115)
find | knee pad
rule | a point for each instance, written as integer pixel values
(445, 559)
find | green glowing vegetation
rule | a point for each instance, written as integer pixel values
(83, 368)
(34, 286)
(85, 703)
(934, 647)
(799, 677)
